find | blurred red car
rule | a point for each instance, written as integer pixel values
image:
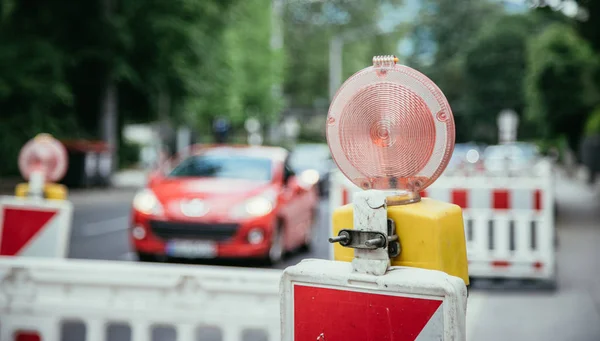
(225, 202)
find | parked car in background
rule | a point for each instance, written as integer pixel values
(512, 158)
(466, 158)
(224, 202)
(313, 161)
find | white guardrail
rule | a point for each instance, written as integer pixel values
(102, 299)
(509, 220)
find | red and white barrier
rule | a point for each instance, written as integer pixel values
(32, 227)
(325, 300)
(509, 220)
(46, 299)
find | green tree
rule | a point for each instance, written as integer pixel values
(442, 35)
(246, 68)
(35, 94)
(309, 28)
(170, 43)
(494, 69)
(592, 126)
(559, 87)
(59, 57)
(589, 28)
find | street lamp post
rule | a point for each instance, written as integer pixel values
(336, 46)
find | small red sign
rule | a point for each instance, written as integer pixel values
(46, 153)
(20, 226)
(332, 314)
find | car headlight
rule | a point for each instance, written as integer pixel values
(145, 202)
(257, 206)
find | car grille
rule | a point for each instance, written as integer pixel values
(175, 230)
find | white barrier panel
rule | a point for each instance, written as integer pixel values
(31, 227)
(198, 303)
(325, 300)
(509, 221)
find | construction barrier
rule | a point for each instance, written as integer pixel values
(34, 227)
(509, 219)
(50, 299)
(404, 304)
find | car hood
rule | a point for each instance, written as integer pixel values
(219, 194)
(207, 188)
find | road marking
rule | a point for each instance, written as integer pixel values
(103, 227)
(475, 304)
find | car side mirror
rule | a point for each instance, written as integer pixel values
(287, 175)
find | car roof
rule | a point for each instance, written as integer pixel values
(273, 153)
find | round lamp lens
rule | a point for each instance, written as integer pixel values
(390, 127)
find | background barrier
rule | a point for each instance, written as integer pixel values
(132, 301)
(32, 227)
(508, 218)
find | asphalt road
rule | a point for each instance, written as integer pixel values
(571, 313)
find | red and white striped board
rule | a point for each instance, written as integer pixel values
(509, 221)
(324, 300)
(32, 227)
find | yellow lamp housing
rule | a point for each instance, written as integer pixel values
(52, 191)
(431, 235)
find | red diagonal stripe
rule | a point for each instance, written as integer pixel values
(19, 226)
(357, 316)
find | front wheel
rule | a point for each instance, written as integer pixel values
(277, 250)
(146, 257)
(306, 246)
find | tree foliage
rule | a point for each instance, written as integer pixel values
(185, 61)
(189, 61)
(480, 56)
(494, 69)
(309, 28)
(442, 36)
(559, 87)
(592, 126)
(589, 28)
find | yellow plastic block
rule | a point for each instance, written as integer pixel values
(431, 236)
(51, 191)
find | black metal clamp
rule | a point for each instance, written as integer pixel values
(370, 240)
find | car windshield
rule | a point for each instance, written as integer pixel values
(229, 167)
(514, 152)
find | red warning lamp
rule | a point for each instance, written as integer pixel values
(389, 127)
(46, 154)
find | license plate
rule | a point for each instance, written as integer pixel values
(191, 249)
